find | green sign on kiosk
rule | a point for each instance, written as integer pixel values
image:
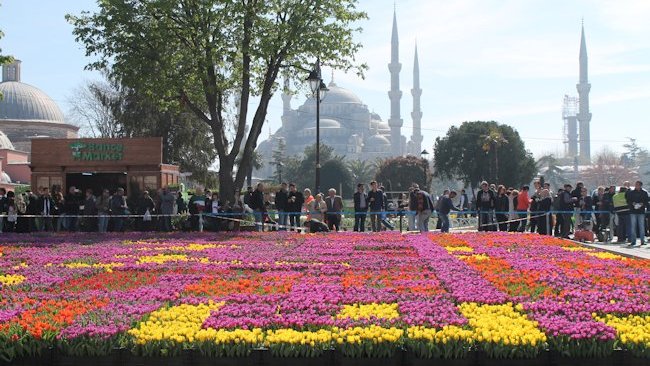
(90, 151)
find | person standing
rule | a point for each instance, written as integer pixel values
(586, 206)
(103, 210)
(376, 204)
(167, 201)
(334, 209)
(22, 224)
(71, 209)
(360, 208)
(424, 208)
(445, 206)
(90, 211)
(638, 204)
(566, 206)
(544, 205)
(3, 207)
(119, 209)
(309, 198)
(59, 203)
(213, 213)
(295, 202)
(557, 209)
(33, 210)
(485, 201)
(437, 202)
(46, 205)
(196, 206)
(412, 207)
(534, 203)
(281, 200)
(523, 204)
(513, 196)
(317, 208)
(181, 205)
(146, 208)
(463, 203)
(258, 206)
(501, 208)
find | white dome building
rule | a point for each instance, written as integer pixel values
(346, 123)
(27, 112)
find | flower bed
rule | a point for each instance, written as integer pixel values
(360, 295)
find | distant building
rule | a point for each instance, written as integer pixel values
(347, 124)
(14, 165)
(576, 114)
(26, 112)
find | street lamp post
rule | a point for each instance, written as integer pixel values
(318, 89)
(425, 155)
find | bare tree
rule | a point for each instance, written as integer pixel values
(607, 170)
(93, 108)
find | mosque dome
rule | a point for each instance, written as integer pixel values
(23, 102)
(377, 140)
(338, 95)
(329, 123)
(5, 143)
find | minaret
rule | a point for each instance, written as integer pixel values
(416, 115)
(584, 116)
(286, 96)
(286, 103)
(395, 122)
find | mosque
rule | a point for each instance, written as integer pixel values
(346, 123)
(26, 113)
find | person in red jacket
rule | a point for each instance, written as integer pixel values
(523, 204)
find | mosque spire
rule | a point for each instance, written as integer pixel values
(395, 122)
(584, 115)
(416, 115)
(286, 95)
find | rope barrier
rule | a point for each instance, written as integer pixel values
(355, 213)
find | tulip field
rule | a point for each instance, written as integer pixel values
(292, 297)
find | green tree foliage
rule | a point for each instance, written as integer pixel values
(335, 174)
(548, 167)
(462, 154)
(111, 110)
(397, 174)
(278, 159)
(212, 55)
(362, 171)
(634, 154)
(302, 171)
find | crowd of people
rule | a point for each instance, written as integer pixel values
(52, 210)
(602, 213)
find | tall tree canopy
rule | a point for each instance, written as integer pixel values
(215, 56)
(106, 109)
(335, 174)
(470, 153)
(303, 170)
(397, 174)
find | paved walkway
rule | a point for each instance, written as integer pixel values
(623, 249)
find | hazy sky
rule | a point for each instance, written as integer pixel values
(506, 60)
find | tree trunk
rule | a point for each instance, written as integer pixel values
(227, 189)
